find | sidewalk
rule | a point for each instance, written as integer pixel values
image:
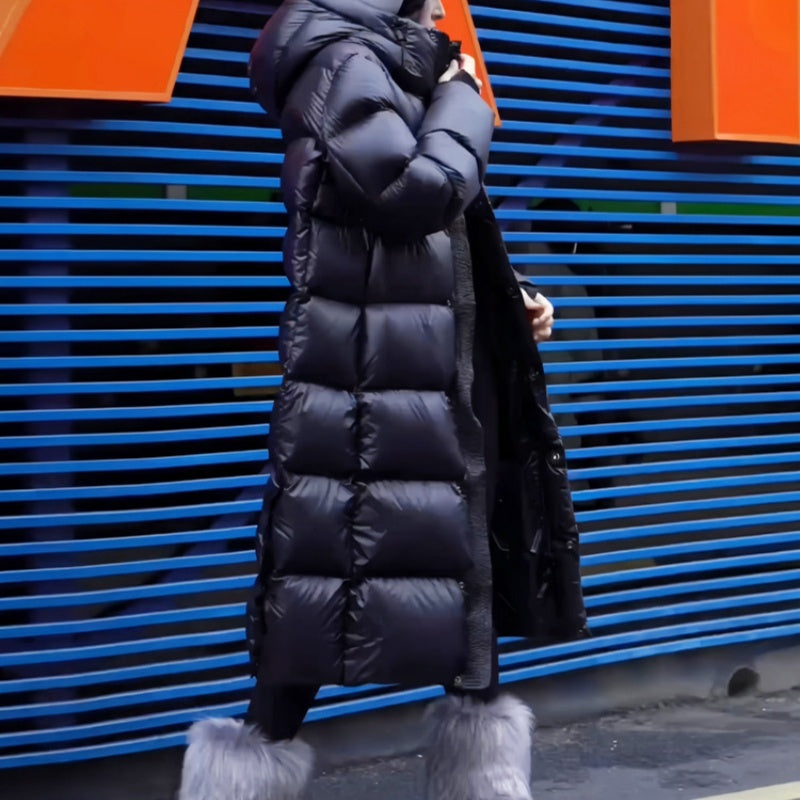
(672, 751)
(691, 751)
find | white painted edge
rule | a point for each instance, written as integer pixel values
(783, 791)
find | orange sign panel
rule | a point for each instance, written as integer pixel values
(736, 70)
(106, 49)
(458, 25)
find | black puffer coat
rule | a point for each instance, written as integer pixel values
(375, 562)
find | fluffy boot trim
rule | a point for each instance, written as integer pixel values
(477, 750)
(230, 760)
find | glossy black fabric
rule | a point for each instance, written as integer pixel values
(373, 546)
(279, 711)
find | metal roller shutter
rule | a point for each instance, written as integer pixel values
(141, 289)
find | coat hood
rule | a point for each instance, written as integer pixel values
(299, 29)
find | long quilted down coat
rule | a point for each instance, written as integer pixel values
(377, 560)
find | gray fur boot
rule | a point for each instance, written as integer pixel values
(230, 760)
(477, 750)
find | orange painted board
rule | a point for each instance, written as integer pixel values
(692, 70)
(100, 49)
(11, 12)
(459, 26)
(736, 70)
(758, 75)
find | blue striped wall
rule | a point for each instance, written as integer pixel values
(140, 289)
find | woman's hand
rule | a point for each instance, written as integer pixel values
(465, 63)
(540, 314)
(450, 72)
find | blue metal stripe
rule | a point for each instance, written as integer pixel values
(690, 445)
(705, 631)
(661, 321)
(563, 42)
(594, 26)
(569, 65)
(123, 699)
(161, 590)
(76, 229)
(217, 81)
(631, 195)
(697, 526)
(135, 514)
(670, 156)
(671, 402)
(669, 363)
(180, 385)
(559, 107)
(135, 178)
(88, 652)
(92, 730)
(683, 568)
(678, 487)
(673, 301)
(121, 622)
(652, 613)
(158, 360)
(235, 31)
(112, 491)
(116, 256)
(692, 423)
(136, 309)
(666, 384)
(216, 559)
(56, 547)
(121, 674)
(649, 651)
(628, 238)
(94, 439)
(69, 755)
(584, 129)
(106, 465)
(254, 332)
(142, 204)
(740, 220)
(685, 178)
(141, 412)
(226, 56)
(685, 506)
(646, 8)
(695, 464)
(691, 587)
(158, 126)
(678, 343)
(95, 151)
(582, 87)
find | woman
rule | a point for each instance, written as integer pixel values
(419, 504)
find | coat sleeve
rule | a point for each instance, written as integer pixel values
(403, 182)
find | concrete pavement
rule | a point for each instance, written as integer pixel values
(682, 751)
(669, 751)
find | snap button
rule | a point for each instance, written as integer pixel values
(458, 680)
